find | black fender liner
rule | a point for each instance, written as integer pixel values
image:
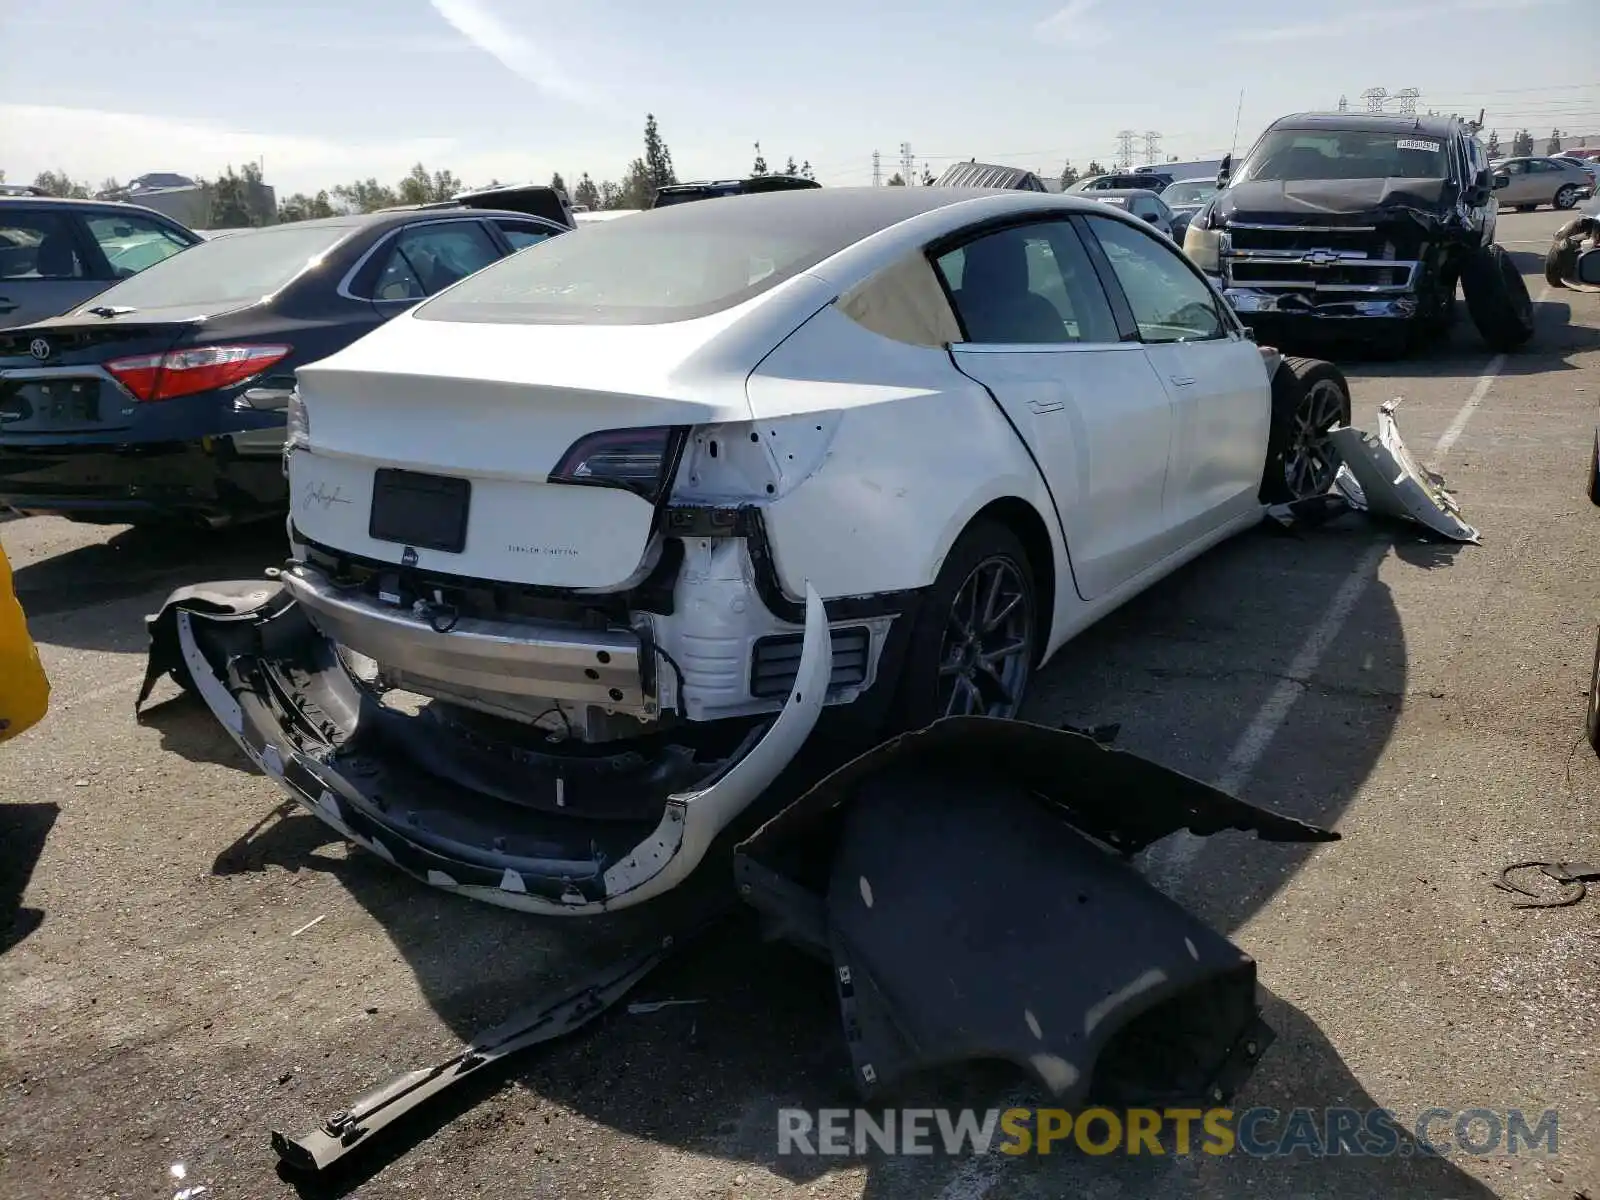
(969, 882)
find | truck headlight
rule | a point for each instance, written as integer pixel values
(1204, 247)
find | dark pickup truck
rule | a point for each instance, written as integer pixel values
(1361, 225)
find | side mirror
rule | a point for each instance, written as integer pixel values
(1502, 180)
(1152, 217)
(1224, 170)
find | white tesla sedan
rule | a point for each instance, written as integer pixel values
(633, 508)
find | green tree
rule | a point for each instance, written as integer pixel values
(364, 196)
(558, 183)
(637, 189)
(657, 158)
(789, 167)
(586, 193)
(1093, 169)
(59, 183)
(1521, 144)
(230, 202)
(108, 184)
(300, 207)
(896, 180)
(610, 194)
(1493, 148)
(759, 167)
(1069, 175)
(1553, 146)
(806, 172)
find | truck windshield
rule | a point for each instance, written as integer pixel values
(1344, 154)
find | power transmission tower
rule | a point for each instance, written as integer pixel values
(1408, 101)
(908, 164)
(1125, 148)
(1152, 146)
(1375, 96)
(1344, 104)
(877, 169)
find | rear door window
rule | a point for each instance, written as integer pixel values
(39, 245)
(1027, 285)
(424, 259)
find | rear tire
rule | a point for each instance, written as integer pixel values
(942, 665)
(1497, 298)
(1591, 723)
(1594, 472)
(1566, 197)
(1309, 398)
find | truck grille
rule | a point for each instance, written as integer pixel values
(1321, 258)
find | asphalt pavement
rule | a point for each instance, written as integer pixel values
(192, 963)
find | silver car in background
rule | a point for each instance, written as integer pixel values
(1144, 204)
(1558, 182)
(1185, 197)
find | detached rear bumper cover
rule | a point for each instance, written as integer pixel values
(431, 803)
(1392, 483)
(966, 882)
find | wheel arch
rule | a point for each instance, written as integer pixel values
(1024, 520)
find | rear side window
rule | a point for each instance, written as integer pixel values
(421, 260)
(38, 245)
(1027, 285)
(131, 243)
(522, 234)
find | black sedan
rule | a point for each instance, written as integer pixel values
(163, 398)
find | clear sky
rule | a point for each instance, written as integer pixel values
(324, 91)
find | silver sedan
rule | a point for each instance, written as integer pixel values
(1558, 182)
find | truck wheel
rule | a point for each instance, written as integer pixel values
(1566, 197)
(1309, 398)
(972, 649)
(1497, 298)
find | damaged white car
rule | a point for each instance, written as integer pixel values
(632, 511)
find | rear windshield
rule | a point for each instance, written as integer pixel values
(671, 264)
(1189, 193)
(236, 269)
(1345, 154)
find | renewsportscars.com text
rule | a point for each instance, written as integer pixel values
(1259, 1132)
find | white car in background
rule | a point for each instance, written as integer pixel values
(633, 508)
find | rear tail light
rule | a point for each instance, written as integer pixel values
(184, 372)
(641, 460)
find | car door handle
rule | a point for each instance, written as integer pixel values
(1183, 380)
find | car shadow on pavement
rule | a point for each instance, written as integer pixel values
(1184, 669)
(137, 561)
(24, 829)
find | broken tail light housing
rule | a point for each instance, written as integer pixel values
(152, 377)
(641, 460)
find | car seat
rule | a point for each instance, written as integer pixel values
(994, 300)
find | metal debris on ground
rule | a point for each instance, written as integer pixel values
(1574, 879)
(645, 1007)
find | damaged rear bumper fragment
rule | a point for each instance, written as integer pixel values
(969, 883)
(512, 826)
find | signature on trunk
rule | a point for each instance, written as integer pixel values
(317, 494)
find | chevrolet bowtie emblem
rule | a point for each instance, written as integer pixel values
(1323, 258)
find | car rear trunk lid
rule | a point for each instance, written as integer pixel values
(53, 378)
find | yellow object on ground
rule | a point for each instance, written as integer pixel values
(24, 690)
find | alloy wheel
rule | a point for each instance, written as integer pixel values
(987, 650)
(1311, 462)
(1566, 197)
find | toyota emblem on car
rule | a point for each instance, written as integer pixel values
(39, 348)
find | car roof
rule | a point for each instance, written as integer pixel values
(1102, 193)
(1362, 122)
(112, 206)
(1195, 179)
(858, 207)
